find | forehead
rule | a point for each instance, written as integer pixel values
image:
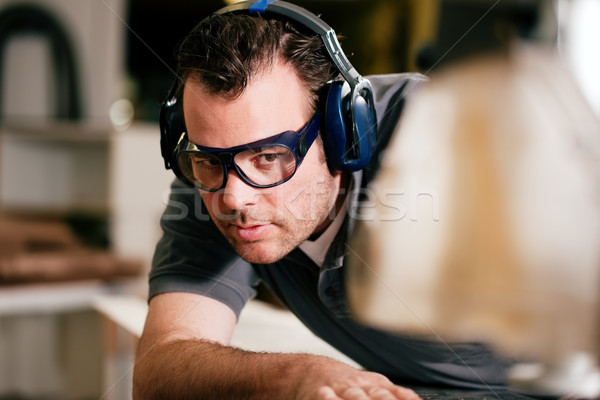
(273, 102)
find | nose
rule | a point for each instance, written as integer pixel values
(237, 194)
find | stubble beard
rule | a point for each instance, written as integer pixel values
(290, 233)
(292, 225)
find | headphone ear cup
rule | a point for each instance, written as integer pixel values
(350, 127)
(334, 125)
(172, 126)
(365, 125)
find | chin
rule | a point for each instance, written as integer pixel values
(261, 254)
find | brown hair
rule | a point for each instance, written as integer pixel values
(224, 52)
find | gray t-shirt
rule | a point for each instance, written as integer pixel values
(192, 256)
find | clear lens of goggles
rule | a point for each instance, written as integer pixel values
(259, 167)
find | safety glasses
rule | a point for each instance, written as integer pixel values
(261, 164)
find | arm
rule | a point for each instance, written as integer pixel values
(183, 353)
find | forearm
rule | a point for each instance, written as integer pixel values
(199, 369)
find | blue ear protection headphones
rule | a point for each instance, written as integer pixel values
(349, 123)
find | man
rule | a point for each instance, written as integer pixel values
(273, 217)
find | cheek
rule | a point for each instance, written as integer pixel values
(210, 201)
(314, 172)
(313, 185)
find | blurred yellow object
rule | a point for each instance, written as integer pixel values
(487, 224)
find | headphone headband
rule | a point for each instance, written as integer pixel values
(305, 18)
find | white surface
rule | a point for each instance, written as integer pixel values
(49, 343)
(126, 311)
(54, 169)
(579, 37)
(50, 297)
(28, 78)
(261, 327)
(139, 187)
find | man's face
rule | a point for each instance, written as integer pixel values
(263, 225)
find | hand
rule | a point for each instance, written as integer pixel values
(339, 381)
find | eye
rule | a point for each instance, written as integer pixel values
(205, 162)
(269, 156)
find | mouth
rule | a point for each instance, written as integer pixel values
(250, 233)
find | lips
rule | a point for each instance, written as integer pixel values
(250, 233)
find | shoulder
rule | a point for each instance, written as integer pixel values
(382, 81)
(386, 85)
(390, 92)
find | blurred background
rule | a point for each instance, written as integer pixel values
(82, 183)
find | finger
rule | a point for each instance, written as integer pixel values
(354, 393)
(379, 393)
(404, 393)
(327, 393)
